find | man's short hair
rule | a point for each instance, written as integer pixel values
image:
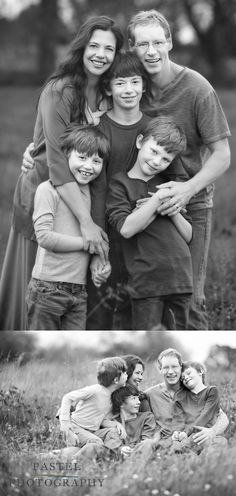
(85, 139)
(145, 17)
(110, 368)
(198, 366)
(169, 352)
(166, 133)
(119, 396)
(131, 362)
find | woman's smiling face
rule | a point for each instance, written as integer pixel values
(137, 375)
(99, 53)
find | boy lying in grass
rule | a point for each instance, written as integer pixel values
(197, 404)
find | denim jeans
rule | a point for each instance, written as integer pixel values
(56, 305)
(199, 248)
(171, 311)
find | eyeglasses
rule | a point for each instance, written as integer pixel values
(144, 45)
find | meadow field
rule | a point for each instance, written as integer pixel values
(18, 110)
(29, 399)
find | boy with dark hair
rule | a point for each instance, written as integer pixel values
(139, 426)
(155, 248)
(195, 404)
(56, 297)
(126, 83)
(92, 406)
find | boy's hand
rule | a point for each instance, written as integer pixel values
(179, 435)
(121, 431)
(126, 451)
(100, 272)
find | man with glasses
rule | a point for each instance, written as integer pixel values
(161, 398)
(190, 99)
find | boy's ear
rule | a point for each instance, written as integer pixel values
(130, 44)
(169, 44)
(116, 380)
(139, 141)
(108, 92)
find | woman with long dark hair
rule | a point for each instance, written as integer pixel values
(73, 93)
(135, 370)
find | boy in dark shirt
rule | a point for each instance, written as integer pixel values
(155, 247)
(196, 404)
(140, 427)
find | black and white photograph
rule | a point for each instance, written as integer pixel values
(117, 165)
(118, 413)
(117, 247)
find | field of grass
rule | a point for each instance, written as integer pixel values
(17, 110)
(29, 399)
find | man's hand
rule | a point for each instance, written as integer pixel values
(175, 195)
(204, 434)
(95, 240)
(28, 161)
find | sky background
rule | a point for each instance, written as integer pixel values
(197, 343)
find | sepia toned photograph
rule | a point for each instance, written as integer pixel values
(118, 413)
(117, 163)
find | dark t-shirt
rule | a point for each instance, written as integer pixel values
(195, 408)
(158, 259)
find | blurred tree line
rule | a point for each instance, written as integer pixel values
(31, 44)
(24, 346)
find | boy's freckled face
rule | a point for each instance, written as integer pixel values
(152, 158)
(191, 378)
(126, 92)
(131, 405)
(84, 168)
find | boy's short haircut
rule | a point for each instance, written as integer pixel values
(131, 362)
(85, 139)
(145, 17)
(169, 352)
(110, 368)
(166, 133)
(127, 64)
(119, 396)
(199, 367)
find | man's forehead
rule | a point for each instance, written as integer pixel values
(169, 360)
(148, 30)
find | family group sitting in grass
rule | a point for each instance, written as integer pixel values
(114, 416)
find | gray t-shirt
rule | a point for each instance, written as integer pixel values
(53, 219)
(194, 105)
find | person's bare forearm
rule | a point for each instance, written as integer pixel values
(141, 217)
(214, 167)
(183, 226)
(72, 196)
(221, 423)
(95, 239)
